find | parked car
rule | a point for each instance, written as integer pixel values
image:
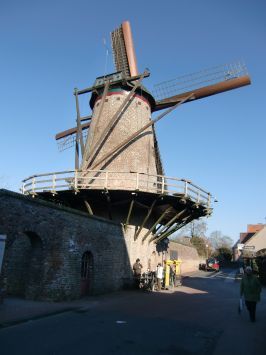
(211, 264)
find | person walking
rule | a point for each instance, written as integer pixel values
(159, 276)
(250, 287)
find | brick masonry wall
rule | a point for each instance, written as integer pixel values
(139, 155)
(44, 248)
(188, 255)
(151, 254)
(145, 251)
(46, 242)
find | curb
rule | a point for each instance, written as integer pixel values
(12, 323)
(194, 274)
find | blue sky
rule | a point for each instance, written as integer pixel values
(50, 47)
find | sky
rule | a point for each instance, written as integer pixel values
(50, 47)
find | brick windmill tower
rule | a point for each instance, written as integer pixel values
(118, 169)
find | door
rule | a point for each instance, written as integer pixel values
(86, 273)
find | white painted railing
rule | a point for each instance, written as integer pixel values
(103, 179)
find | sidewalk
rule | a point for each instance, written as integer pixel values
(16, 310)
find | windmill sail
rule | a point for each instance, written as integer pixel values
(204, 83)
(69, 140)
(123, 50)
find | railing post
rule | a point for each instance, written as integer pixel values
(185, 188)
(198, 197)
(106, 179)
(54, 181)
(137, 181)
(76, 180)
(23, 188)
(33, 185)
(209, 200)
(163, 185)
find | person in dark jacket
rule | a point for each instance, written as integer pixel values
(137, 272)
(172, 275)
(250, 287)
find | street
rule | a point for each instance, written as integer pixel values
(200, 317)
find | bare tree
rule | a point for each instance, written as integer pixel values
(197, 228)
(3, 182)
(218, 240)
(194, 234)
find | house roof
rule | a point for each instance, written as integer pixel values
(258, 239)
(247, 237)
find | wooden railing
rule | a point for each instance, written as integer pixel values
(102, 179)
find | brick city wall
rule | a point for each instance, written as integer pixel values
(44, 248)
(145, 251)
(188, 255)
(46, 242)
(151, 254)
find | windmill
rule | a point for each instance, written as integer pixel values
(118, 168)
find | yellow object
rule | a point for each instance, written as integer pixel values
(177, 269)
(177, 264)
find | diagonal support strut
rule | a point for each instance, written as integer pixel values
(114, 120)
(126, 141)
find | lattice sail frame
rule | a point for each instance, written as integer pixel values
(70, 141)
(119, 51)
(199, 79)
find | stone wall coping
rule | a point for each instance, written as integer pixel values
(35, 200)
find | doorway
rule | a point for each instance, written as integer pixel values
(86, 274)
(25, 266)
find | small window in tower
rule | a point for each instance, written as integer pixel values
(118, 98)
(98, 103)
(106, 100)
(139, 103)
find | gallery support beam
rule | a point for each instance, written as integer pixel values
(129, 212)
(145, 219)
(157, 222)
(174, 228)
(88, 207)
(168, 224)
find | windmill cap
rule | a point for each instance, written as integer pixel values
(141, 91)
